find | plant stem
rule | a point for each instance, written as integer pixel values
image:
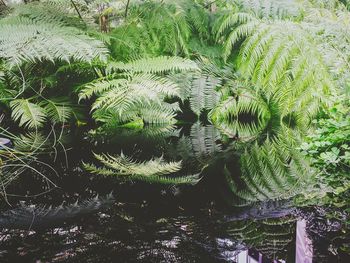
(76, 9)
(126, 9)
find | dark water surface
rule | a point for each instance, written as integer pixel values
(229, 216)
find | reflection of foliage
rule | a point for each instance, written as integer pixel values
(246, 102)
(245, 131)
(269, 236)
(201, 145)
(271, 171)
(27, 217)
(152, 171)
(35, 143)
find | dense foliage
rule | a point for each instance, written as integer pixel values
(265, 73)
(329, 149)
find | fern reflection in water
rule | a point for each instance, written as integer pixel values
(152, 171)
(271, 237)
(270, 167)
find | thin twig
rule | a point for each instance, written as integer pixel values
(76, 9)
(126, 9)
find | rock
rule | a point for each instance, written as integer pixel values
(5, 143)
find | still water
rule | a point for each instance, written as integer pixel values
(241, 210)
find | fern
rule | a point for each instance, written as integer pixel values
(154, 28)
(59, 110)
(281, 58)
(272, 8)
(28, 114)
(131, 91)
(52, 11)
(25, 40)
(161, 64)
(203, 93)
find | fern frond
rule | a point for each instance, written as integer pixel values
(282, 58)
(59, 110)
(144, 34)
(203, 93)
(130, 93)
(233, 19)
(24, 40)
(28, 114)
(142, 89)
(158, 114)
(161, 64)
(285, 9)
(100, 86)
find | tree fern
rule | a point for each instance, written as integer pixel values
(281, 58)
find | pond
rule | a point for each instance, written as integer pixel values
(238, 204)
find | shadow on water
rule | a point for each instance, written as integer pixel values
(242, 208)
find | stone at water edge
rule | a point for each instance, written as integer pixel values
(5, 143)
